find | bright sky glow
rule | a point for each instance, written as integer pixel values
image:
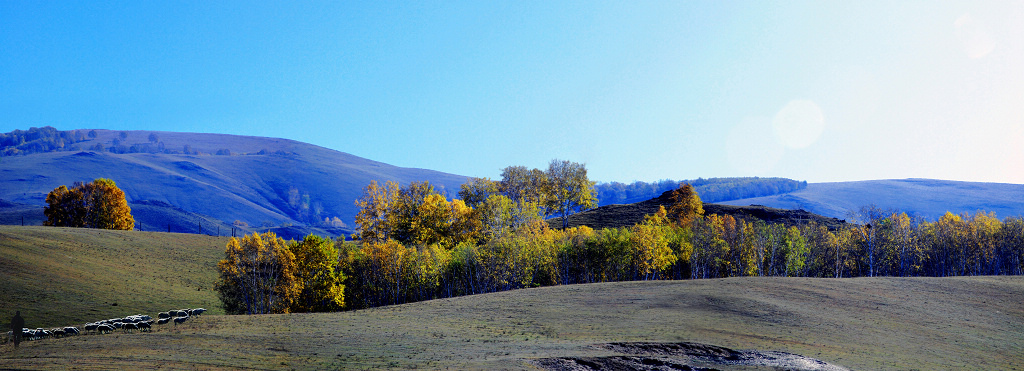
(815, 90)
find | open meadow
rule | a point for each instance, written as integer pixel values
(69, 276)
(861, 324)
(63, 276)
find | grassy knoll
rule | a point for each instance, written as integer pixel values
(65, 276)
(862, 323)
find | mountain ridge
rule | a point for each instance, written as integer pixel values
(256, 181)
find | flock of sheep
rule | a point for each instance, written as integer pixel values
(140, 322)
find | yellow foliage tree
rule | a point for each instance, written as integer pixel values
(317, 270)
(444, 223)
(65, 208)
(686, 205)
(650, 248)
(258, 275)
(108, 208)
(98, 204)
(375, 211)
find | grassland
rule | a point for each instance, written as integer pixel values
(64, 276)
(862, 323)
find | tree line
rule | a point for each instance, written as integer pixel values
(711, 189)
(414, 244)
(513, 251)
(49, 139)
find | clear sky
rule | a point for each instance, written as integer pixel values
(636, 90)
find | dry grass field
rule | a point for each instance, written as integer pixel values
(65, 276)
(860, 324)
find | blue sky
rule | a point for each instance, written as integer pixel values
(816, 91)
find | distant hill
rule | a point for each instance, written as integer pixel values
(926, 198)
(710, 190)
(618, 216)
(261, 182)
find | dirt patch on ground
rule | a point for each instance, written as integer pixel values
(684, 356)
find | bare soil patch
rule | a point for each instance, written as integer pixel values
(684, 356)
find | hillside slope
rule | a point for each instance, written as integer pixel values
(860, 324)
(62, 276)
(264, 182)
(618, 216)
(926, 198)
(65, 276)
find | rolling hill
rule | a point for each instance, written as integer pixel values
(263, 182)
(926, 198)
(68, 276)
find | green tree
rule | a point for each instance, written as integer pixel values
(521, 184)
(501, 217)
(569, 190)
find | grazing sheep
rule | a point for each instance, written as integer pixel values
(91, 326)
(197, 311)
(162, 315)
(128, 327)
(163, 321)
(145, 326)
(105, 329)
(57, 333)
(118, 324)
(178, 320)
(173, 313)
(71, 330)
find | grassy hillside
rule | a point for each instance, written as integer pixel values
(927, 198)
(861, 324)
(286, 184)
(62, 276)
(59, 276)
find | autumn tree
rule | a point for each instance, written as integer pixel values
(375, 218)
(650, 249)
(500, 217)
(569, 190)
(521, 184)
(65, 208)
(475, 191)
(686, 205)
(97, 204)
(107, 206)
(445, 223)
(317, 272)
(258, 275)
